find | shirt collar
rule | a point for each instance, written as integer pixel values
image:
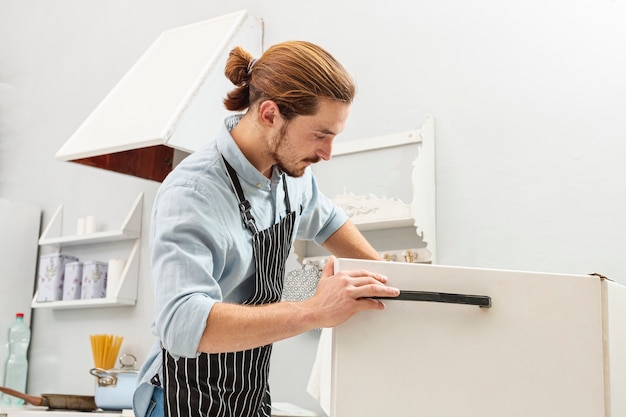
(229, 149)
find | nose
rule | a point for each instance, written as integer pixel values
(325, 150)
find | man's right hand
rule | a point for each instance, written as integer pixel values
(340, 296)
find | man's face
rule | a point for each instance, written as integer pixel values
(305, 140)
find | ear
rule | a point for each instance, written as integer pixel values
(269, 114)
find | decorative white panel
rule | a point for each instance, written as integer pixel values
(401, 165)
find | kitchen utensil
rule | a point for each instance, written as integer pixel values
(116, 387)
(56, 401)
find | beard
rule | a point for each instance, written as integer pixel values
(281, 152)
(295, 169)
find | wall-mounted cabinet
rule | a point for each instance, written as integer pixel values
(128, 234)
(386, 185)
(160, 106)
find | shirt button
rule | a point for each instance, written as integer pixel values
(259, 185)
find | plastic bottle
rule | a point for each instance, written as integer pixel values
(16, 366)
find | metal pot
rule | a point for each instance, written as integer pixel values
(115, 387)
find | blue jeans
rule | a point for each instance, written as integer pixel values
(156, 408)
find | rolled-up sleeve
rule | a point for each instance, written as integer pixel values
(320, 217)
(183, 242)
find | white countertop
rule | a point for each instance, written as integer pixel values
(278, 410)
(30, 411)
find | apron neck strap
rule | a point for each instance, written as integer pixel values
(244, 205)
(287, 203)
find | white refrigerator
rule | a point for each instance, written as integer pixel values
(492, 343)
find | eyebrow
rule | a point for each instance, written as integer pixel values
(326, 132)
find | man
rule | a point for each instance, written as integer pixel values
(222, 227)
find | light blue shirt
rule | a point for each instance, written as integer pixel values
(201, 251)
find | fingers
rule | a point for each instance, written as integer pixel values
(355, 284)
(366, 284)
(371, 304)
(339, 296)
(329, 268)
(375, 290)
(362, 273)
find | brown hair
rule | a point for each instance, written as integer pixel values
(294, 74)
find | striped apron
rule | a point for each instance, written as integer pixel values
(234, 384)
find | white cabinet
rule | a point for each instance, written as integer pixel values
(161, 103)
(129, 233)
(384, 183)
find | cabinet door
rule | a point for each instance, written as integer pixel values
(537, 351)
(19, 234)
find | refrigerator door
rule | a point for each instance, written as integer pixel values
(615, 347)
(537, 351)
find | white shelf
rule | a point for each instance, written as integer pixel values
(396, 223)
(93, 303)
(90, 239)
(371, 212)
(126, 292)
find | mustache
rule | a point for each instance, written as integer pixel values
(314, 160)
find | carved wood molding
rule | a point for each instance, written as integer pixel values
(372, 212)
(364, 209)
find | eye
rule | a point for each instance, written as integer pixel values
(321, 134)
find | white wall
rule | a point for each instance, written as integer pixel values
(528, 100)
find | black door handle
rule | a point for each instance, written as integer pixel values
(442, 297)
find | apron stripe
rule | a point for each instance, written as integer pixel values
(235, 384)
